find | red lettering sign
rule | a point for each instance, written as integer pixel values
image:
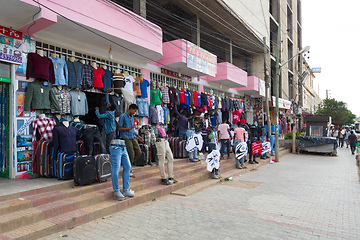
(8, 32)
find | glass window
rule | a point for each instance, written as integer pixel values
(316, 131)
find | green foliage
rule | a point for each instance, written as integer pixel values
(338, 111)
(289, 135)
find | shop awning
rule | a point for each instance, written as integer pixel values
(229, 76)
(86, 28)
(255, 87)
(186, 58)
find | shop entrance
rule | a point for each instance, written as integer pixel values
(4, 119)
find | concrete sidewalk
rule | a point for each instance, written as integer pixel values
(301, 197)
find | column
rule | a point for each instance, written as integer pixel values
(139, 7)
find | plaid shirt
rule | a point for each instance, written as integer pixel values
(40, 124)
(165, 94)
(88, 76)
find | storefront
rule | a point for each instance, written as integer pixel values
(76, 36)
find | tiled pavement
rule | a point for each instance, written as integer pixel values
(301, 197)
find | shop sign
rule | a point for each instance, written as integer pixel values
(282, 103)
(262, 90)
(201, 60)
(13, 45)
(5, 79)
(175, 74)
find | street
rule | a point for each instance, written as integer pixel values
(301, 197)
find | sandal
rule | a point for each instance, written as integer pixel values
(132, 174)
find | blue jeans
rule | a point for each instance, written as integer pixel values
(352, 148)
(272, 144)
(143, 106)
(182, 134)
(119, 156)
(189, 133)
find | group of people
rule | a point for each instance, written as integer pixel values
(344, 135)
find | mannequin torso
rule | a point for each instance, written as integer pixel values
(40, 52)
(93, 64)
(71, 59)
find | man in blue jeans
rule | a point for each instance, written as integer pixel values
(119, 156)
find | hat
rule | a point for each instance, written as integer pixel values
(242, 121)
(201, 110)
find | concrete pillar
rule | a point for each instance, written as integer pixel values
(140, 7)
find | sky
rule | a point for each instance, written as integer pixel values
(332, 30)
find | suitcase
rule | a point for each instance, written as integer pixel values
(103, 167)
(45, 157)
(96, 149)
(64, 166)
(84, 170)
(174, 146)
(145, 155)
(182, 151)
(153, 154)
(36, 151)
(80, 147)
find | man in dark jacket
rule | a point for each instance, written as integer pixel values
(353, 140)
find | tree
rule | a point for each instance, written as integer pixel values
(338, 111)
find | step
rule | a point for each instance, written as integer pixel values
(59, 202)
(76, 207)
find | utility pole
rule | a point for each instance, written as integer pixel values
(267, 92)
(277, 94)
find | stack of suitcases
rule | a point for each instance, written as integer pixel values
(84, 169)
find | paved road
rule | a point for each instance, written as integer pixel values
(302, 197)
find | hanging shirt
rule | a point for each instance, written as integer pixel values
(165, 94)
(129, 81)
(98, 73)
(191, 99)
(187, 97)
(155, 97)
(177, 91)
(209, 100)
(106, 78)
(143, 88)
(218, 117)
(153, 115)
(216, 103)
(60, 70)
(173, 98)
(44, 126)
(64, 100)
(182, 97)
(213, 119)
(40, 68)
(87, 76)
(204, 100)
(79, 105)
(196, 100)
(136, 86)
(160, 112)
(236, 116)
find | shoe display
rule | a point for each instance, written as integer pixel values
(165, 182)
(172, 180)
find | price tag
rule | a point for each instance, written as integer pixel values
(42, 90)
(62, 96)
(118, 102)
(79, 97)
(56, 66)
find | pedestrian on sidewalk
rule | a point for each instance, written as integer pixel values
(239, 136)
(342, 137)
(109, 123)
(163, 150)
(127, 133)
(353, 140)
(347, 134)
(224, 137)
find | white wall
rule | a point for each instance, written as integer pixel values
(254, 13)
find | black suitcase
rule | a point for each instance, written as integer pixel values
(103, 167)
(80, 147)
(153, 154)
(84, 170)
(144, 158)
(45, 158)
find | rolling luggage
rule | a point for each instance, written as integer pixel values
(84, 170)
(103, 167)
(96, 149)
(45, 151)
(145, 155)
(153, 154)
(182, 151)
(64, 166)
(174, 146)
(36, 151)
(80, 147)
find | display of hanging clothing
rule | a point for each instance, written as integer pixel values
(106, 78)
(128, 97)
(98, 82)
(129, 84)
(165, 94)
(92, 134)
(88, 76)
(64, 139)
(39, 96)
(43, 127)
(75, 74)
(119, 103)
(79, 104)
(143, 87)
(118, 82)
(60, 71)
(64, 100)
(40, 67)
(155, 97)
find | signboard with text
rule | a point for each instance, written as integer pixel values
(201, 60)
(175, 74)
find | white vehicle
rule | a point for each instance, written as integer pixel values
(357, 129)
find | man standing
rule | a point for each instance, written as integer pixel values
(341, 137)
(353, 140)
(127, 133)
(223, 136)
(182, 124)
